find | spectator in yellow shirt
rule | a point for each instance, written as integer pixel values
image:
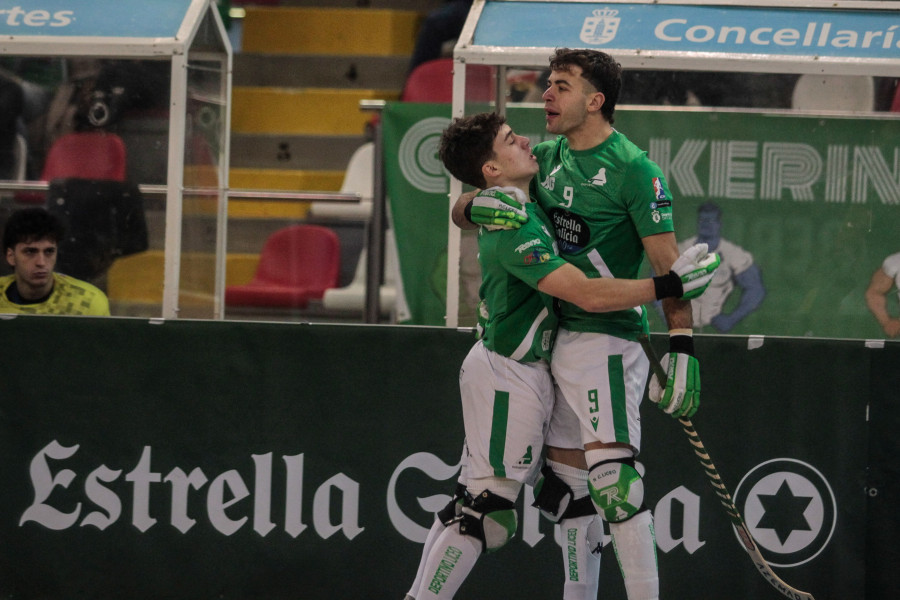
(31, 239)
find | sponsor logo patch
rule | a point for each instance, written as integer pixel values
(658, 189)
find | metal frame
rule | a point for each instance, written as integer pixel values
(466, 51)
(174, 49)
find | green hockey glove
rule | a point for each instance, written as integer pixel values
(498, 208)
(690, 274)
(681, 396)
(696, 267)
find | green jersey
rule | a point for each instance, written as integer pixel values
(521, 322)
(602, 201)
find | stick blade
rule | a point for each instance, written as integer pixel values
(749, 544)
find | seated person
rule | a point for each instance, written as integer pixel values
(31, 238)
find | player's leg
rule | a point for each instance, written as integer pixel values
(487, 522)
(504, 452)
(441, 519)
(580, 527)
(602, 378)
(617, 490)
(562, 496)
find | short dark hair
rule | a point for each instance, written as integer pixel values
(600, 69)
(467, 144)
(30, 225)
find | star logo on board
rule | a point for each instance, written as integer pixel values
(783, 512)
(790, 510)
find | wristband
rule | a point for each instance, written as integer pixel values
(668, 286)
(681, 343)
(468, 210)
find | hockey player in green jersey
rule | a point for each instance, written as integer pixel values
(507, 392)
(610, 206)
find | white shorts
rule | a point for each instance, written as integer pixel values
(506, 412)
(602, 379)
(565, 431)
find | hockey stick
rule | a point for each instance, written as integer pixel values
(712, 474)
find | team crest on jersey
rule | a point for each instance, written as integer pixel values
(599, 178)
(536, 257)
(601, 27)
(658, 188)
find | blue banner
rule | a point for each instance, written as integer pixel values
(97, 18)
(689, 28)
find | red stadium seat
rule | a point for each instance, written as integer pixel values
(86, 155)
(432, 81)
(82, 155)
(297, 264)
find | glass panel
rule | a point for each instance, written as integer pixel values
(204, 179)
(94, 129)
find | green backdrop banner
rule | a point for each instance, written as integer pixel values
(813, 202)
(237, 460)
(418, 188)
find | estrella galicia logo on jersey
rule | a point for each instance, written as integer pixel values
(658, 189)
(789, 508)
(601, 27)
(572, 233)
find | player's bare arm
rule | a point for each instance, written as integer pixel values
(603, 294)
(662, 251)
(876, 299)
(687, 277)
(458, 213)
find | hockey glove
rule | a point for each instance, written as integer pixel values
(690, 274)
(681, 396)
(498, 208)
